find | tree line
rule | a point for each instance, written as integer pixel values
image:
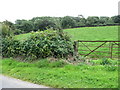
(56, 23)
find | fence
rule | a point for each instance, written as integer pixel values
(97, 49)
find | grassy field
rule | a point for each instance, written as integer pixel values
(59, 75)
(22, 37)
(94, 33)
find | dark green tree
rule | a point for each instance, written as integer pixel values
(92, 21)
(68, 22)
(43, 24)
(24, 25)
(6, 30)
(116, 19)
(10, 24)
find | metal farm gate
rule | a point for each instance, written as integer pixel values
(97, 49)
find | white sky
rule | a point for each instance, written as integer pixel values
(27, 9)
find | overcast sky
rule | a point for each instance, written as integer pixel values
(27, 9)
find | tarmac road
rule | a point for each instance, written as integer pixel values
(9, 82)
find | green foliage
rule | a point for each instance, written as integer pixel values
(116, 19)
(43, 23)
(58, 23)
(6, 30)
(9, 24)
(68, 22)
(42, 63)
(39, 45)
(91, 21)
(56, 64)
(10, 47)
(111, 68)
(18, 31)
(24, 25)
(104, 61)
(47, 43)
(82, 22)
(51, 64)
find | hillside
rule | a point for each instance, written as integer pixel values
(94, 33)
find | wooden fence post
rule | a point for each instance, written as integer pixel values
(75, 48)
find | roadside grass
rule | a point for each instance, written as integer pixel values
(0, 66)
(62, 75)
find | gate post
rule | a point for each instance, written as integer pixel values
(75, 48)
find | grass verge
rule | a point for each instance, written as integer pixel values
(61, 75)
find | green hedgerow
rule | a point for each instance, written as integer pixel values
(10, 47)
(39, 45)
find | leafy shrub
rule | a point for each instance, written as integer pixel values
(5, 30)
(18, 31)
(38, 45)
(10, 47)
(105, 61)
(47, 43)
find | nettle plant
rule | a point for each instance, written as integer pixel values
(41, 45)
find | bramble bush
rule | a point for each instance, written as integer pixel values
(47, 43)
(10, 47)
(39, 45)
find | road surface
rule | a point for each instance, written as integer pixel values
(9, 82)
